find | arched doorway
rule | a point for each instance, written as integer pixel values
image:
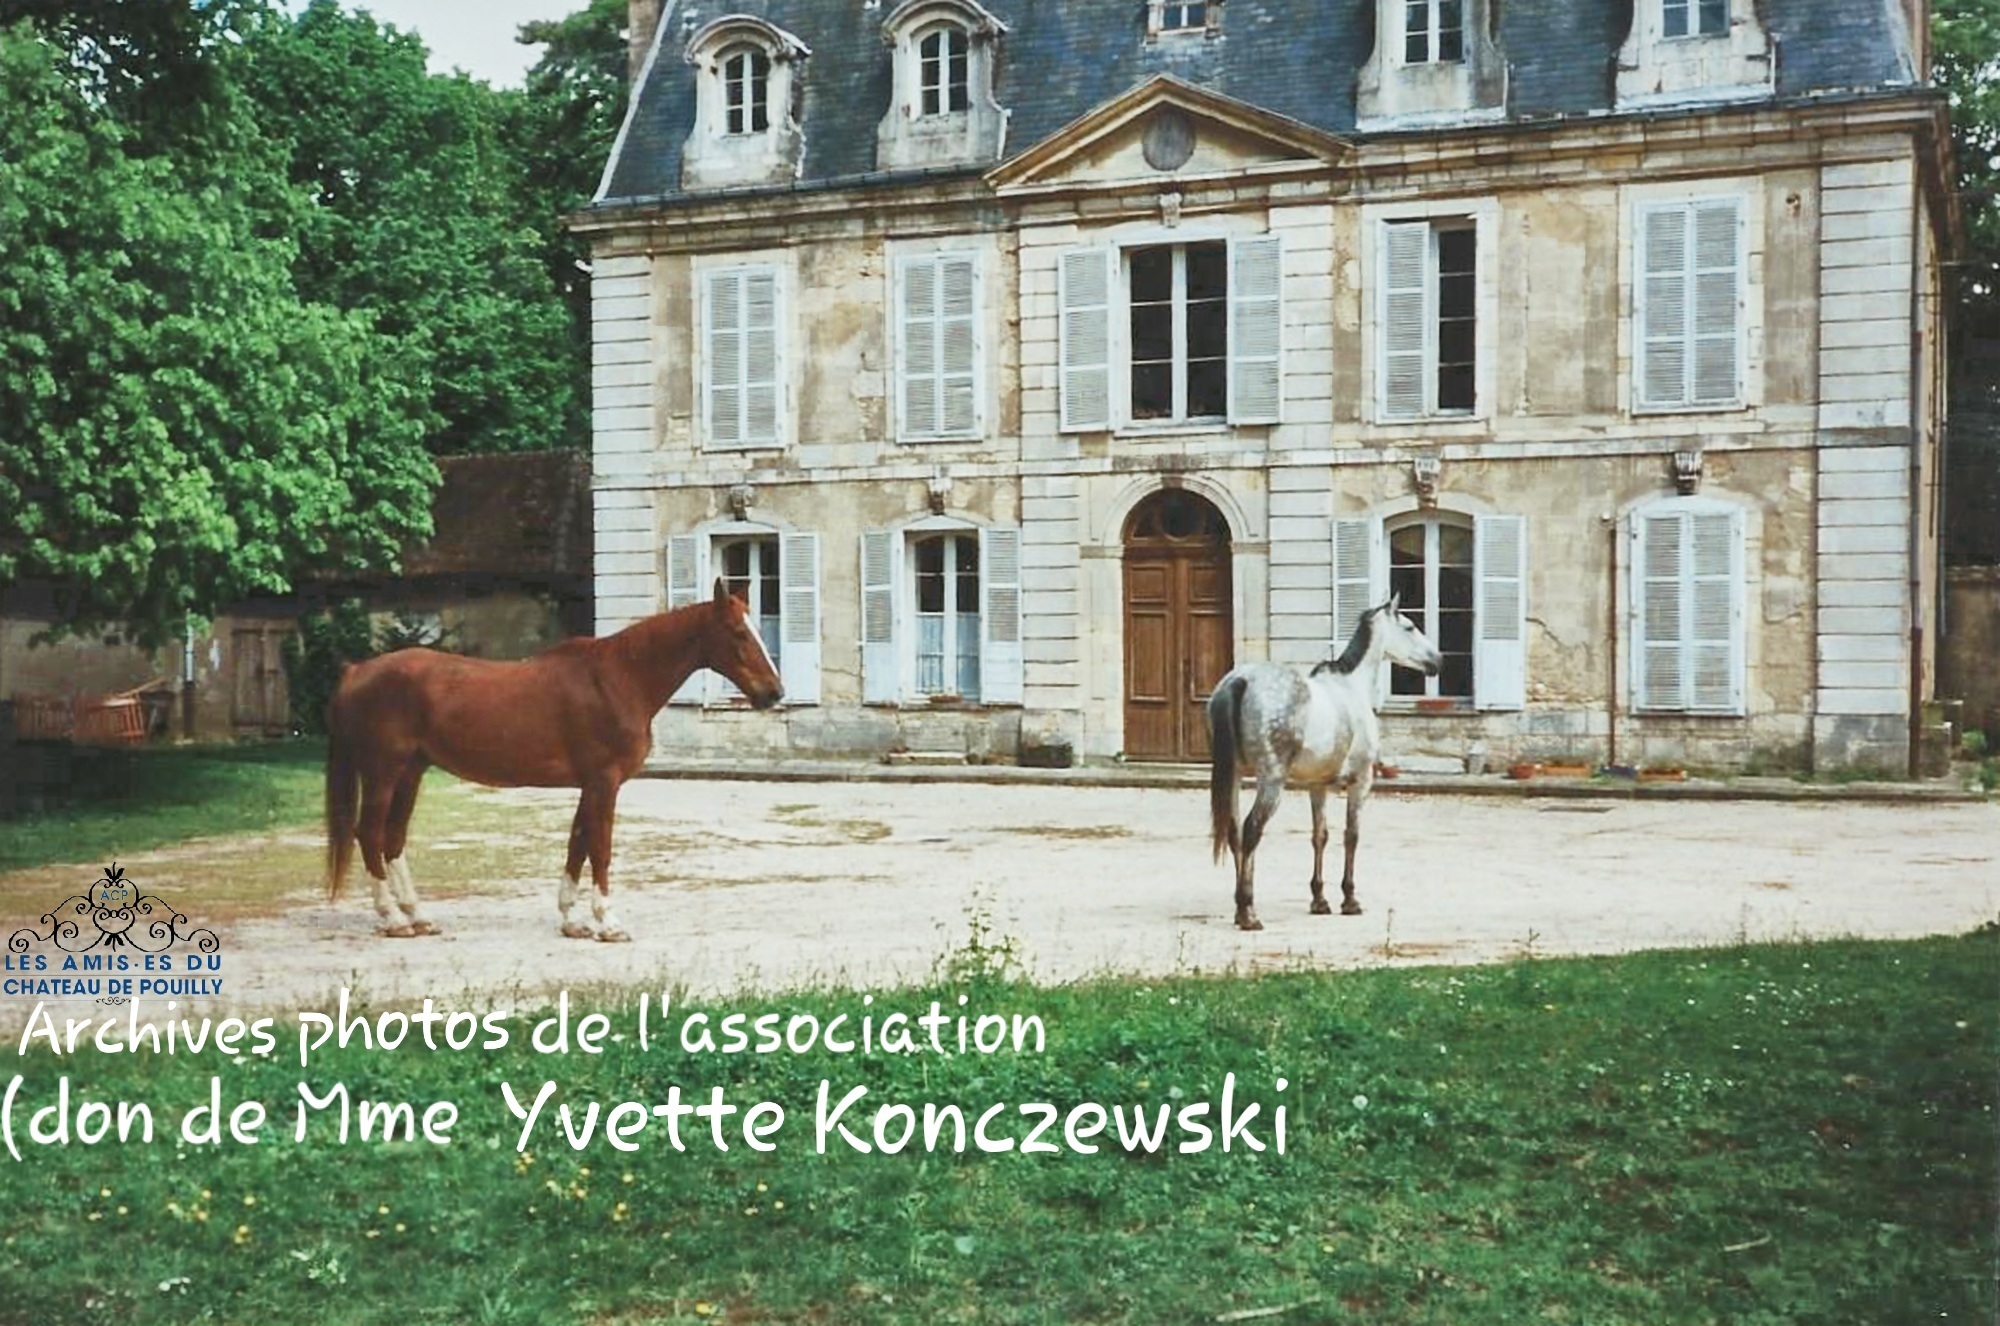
(1179, 626)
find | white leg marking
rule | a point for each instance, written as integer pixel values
(566, 898)
(608, 928)
(382, 907)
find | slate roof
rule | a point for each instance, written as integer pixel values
(1298, 58)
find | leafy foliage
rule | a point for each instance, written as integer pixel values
(325, 643)
(1965, 36)
(183, 429)
(420, 218)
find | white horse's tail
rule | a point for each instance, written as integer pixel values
(1225, 707)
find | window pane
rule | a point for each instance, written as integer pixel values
(1407, 582)
(1455, 341)
(1455, 588)
(1208, 388)
(1451, 31)
(1406, 546)
(968, 655)
(968, 574)
(1456, 389)
(1208, 329)
(1152, 332)
(1714, 17)
(1153, 274)
(930, 653)
(1455, 545)
(1455, 676)
(1207, 271)
(1152, 391)
(1417, 32)
(1674, 18)
(736, 563)
(930, 574)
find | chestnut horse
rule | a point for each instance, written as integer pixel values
(578, 715)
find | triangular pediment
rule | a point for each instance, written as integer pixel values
(1165, 129)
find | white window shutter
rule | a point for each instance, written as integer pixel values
(723, 335)
(1657, 598)
(763, 367)
(1000, 664)
(1256, 330)
(1662, 375)
(687, 567)
(917, 364)
(1085, 340)
(1717, 312)
(958, 345)
(1500, 610)
(798, 616)
(1356, 572)
(743, 386)
(880, 562)
(1406, 326)
(1714, 614)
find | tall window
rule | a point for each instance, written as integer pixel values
(1183, 18)
(1694, 18)
(1688, 572)
(746, 90)
(1429, 320)
(1180, 331)
(944, 72)
(1431, 567)
(947, 601)
(742, 383)
(1434, 31)
(1689, 295)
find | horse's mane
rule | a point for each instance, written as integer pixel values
(1357, 648)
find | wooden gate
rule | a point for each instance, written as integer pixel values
(259, 702)
(1179, 625)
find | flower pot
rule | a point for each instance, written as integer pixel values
(1566, 770)
(1434, 705)
(1521, 773)
(1663, 775)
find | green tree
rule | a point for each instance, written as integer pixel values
(1965, 41)
(182, 430)
(562, 124)
(419, 220)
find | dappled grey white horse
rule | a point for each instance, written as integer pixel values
(1313, 730)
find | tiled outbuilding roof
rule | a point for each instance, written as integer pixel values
(1299, 58)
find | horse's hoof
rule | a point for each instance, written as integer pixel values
(1248, 921)
(614, 937)
(1321, 907)
(397, 932)
(1350, 908)
(577, 930)
(424, 928)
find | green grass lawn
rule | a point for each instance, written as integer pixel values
(1758, 1136)
(120, 802)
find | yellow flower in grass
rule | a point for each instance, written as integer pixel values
(241, 1236)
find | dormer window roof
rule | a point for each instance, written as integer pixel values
(746, 84)
(944, 112)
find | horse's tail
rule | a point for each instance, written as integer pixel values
(1225, 708)
(343, 791)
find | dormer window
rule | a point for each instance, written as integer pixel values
(1433, 31)
(1691, 52)
(944, 112)
(1694, 18)
(1436, 63)
(746, 85)
(1183, 18)
(747, 82)
(944, 65)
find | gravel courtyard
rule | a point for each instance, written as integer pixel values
(734, 885)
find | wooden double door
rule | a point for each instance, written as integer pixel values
(1179, 623)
